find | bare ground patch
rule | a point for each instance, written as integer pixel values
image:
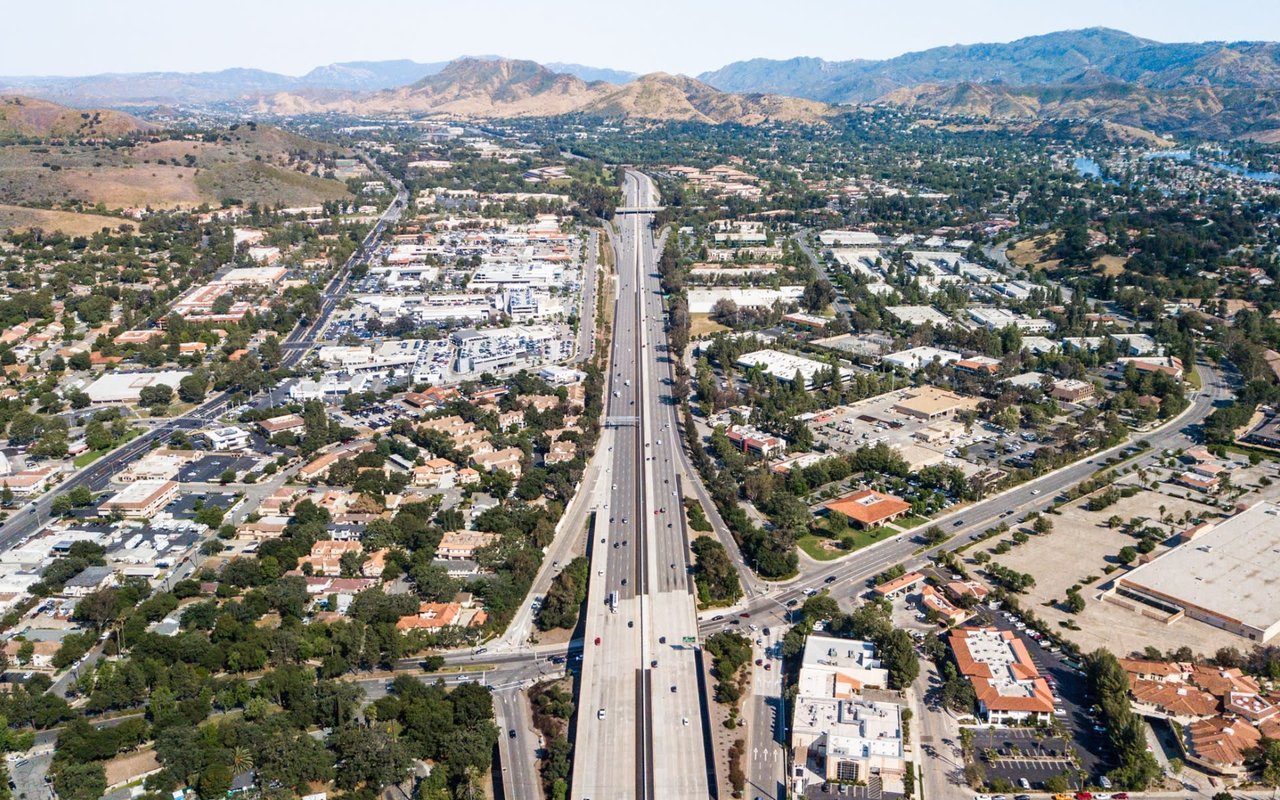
(1081, 545)
(703, 325)
(70, 223)
(1110, 265)
(148, 184)
(1029, 251)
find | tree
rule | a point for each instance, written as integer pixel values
(81, 361)
(61, 505)
(1042, 524)
(271, 353)
(368, 757)
(1127, 554)
(99, 608)
(193, 387)
(215, 781)
(935, 535)
(898, 655)
(1075, 601)
(714, 573)
(84, 781)
(158, 394)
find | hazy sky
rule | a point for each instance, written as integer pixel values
(292, 36)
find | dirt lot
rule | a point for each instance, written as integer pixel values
(131, 766)
(1110, 265)
(21, 219)
(1030, 251)
(1081, 545)
(703, 325)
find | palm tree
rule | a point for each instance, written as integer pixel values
(241, 760)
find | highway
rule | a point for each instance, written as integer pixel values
(639, 730)
(29, 518)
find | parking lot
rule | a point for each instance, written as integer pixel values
(876, 420)
(27, 777)
(210, 468)
(186, 506)
(1023, 756)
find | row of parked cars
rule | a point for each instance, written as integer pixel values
(1079, 795)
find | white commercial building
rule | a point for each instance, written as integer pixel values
(838, 732)
(125, 387)
(915, 358)
(918, 315)
(142, 499)
(994, 319)
(702, 300)
(500, 348)
(424, 308)
(784, 366)
(497, 277)
(228, 438)
(838, 238)
(861, 261)
(330, 388)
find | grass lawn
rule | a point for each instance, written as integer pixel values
(907, 523)
(813, 545)
(1193, 377)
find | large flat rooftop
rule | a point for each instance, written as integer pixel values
(1231, 570)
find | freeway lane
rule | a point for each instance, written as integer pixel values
(608, 739)
(639, 733)
(677, 727)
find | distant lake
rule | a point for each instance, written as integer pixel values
(1234, 169)
(1088, 168)
(1253, 175)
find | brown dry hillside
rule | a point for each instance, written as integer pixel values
(262, 164)
(70, 223)
(31, 118)
(676, 97)
(504, 88)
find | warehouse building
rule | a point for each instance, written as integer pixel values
(126, 387)
(784, 366)
(1226, 577)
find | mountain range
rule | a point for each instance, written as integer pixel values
(145, 89)
(1216, 89)
(475, 87)
(1206, 88)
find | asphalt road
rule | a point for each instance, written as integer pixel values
(640, 732)
(678, 729)
(517, 745)
(609, 741)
